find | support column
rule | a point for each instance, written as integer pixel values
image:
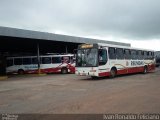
(66, 49)
(38, 58)
(2, 65)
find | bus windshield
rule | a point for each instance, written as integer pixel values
(87, 57)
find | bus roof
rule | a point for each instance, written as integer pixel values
(120, 46)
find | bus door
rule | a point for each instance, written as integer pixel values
(102, 61)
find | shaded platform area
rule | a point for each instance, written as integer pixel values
(20, 42)
(14, 46)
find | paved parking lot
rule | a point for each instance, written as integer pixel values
(56, 93)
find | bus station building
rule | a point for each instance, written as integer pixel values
(20, 42)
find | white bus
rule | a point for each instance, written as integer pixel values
(157, 57)
(97, 60)
(48, 64)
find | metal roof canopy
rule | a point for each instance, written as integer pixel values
(15, 45)
(21, 33)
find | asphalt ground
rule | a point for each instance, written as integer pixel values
(65, 94)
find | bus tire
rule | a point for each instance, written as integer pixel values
(145, 70)
(94, 77)
(64, 70)
(113, 72)
(21, 71)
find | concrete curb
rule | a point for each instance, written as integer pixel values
(36, 74)
(3, 77)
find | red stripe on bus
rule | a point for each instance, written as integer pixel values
(129, 70)
(51, 70)
(104, 74)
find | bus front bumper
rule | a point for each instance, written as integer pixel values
(86, 72)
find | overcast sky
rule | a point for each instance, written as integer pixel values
(132, 21)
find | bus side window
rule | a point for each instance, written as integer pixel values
(142, 54)
(127, 54)
(120, 53)
(112, 53)
(66, 59)
(46, 60)
(133, 54)
(56, 60)
(145, 54)
(153, 54)
(102, 57)
(26, 61)
(150, 55)
(18, 61)
(72, 59)
(9, 62)
(34, 60)
(139, 54)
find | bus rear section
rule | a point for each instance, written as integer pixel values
(109, 60)
(48, 64)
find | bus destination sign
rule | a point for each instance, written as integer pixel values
(86, 46)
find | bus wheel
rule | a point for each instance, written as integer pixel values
(64, 70)
(112, 73)
(20, 71)
(145, 70)
(94, 77)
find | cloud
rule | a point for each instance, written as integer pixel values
(123, 19)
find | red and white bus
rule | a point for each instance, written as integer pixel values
(97, 60)
(48, 64)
